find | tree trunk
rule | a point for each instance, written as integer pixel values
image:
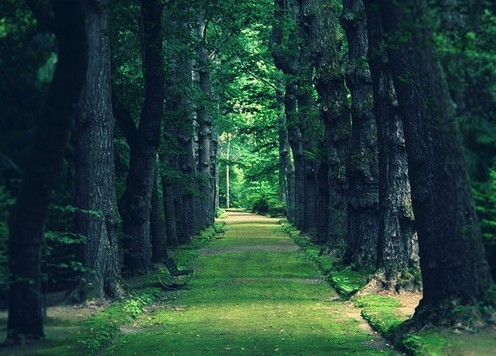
(27, 219)
(157, 226)
(228, 176)
(286, 165)
(295, 142)
(362, 167)
(170, 211)
(309, 129)
(285, 59)
(452, 257)
(397, 252)
(205, 135)
(97, 217)
(178, 129)
(318, 20)
(136, 202)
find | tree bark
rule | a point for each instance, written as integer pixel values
(452, 257)
(318, 20)
(157, 227)
(178, 129)
(27, 219)
(295, 143)
(286, 165)
(204, 118)
(310, 126)
(136, 201)
(362, 167)
(397, 251)
(97, 217)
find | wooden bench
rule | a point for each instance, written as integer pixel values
(174, 277)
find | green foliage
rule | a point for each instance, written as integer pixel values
(485, 200)
(270, 206)
(469, 60)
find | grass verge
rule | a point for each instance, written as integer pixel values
(385, 312)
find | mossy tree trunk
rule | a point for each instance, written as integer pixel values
(362, 167)
(397, 251)
(178, 132)
(136, 201)
(318, 19)
(452, 258)
(97, 217)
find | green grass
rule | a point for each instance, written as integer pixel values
(380, 311)
(253, 293)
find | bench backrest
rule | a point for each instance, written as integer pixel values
(171, 265)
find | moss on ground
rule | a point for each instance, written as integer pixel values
(385, 312)
(253, 292)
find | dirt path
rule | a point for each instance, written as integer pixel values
(253, 293)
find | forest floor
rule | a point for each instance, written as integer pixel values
(254, 292)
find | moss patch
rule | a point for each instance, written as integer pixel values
(381, 312)
(253, 293)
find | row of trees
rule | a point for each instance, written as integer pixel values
(113, 60)
(386, 157)
(155, 114)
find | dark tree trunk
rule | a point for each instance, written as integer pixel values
(170, 211)
(214, 151)
(27, 219)
(452, 257)
(295, 142)
(157, 226)
(178, 128)
(136, 202)
(204, 118)
(362, 167)
(309, 128)
(285, 60)
(286, 166)
(397, 253)
(318, 20)
(97, 218)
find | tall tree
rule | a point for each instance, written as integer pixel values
(362, 167)
(397, 250)
(204, 120)
(136, 201)
(319, 21)
(97, 217)
(27, 219)
(286, 182)
(452, 259)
